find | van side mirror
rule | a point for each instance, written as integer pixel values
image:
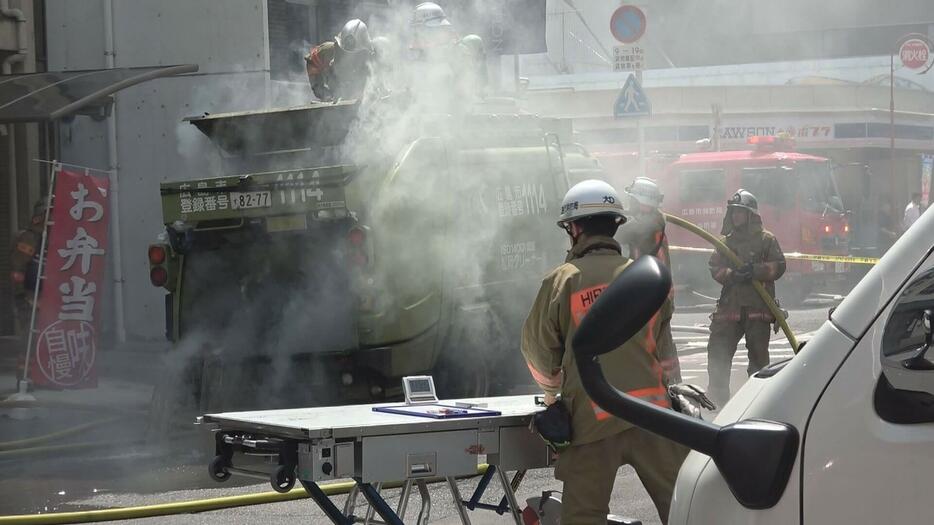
(755, 457)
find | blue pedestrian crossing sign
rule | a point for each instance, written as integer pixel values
(632, 101)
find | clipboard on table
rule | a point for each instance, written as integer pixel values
(437, 411)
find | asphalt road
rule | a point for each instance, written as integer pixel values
(141, 474)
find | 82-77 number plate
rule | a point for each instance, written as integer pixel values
(250, 199)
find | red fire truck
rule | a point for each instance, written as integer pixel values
(798, 202)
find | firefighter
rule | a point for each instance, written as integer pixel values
(599, 444)
(339, 68)
(452, 60)
(644, 233)
(740, 310)
(431, 28)
(25, 268)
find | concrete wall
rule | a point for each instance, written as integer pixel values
(19, 144)
(227, 40)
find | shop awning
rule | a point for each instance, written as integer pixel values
(38, 97)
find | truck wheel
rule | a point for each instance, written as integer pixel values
(217, 469)
(464, 368)
(283, 479)
(460, 378)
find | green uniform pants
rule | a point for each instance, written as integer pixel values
(724, 336)
(588, 472)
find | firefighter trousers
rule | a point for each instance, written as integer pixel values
(724, 336)
(588, 472)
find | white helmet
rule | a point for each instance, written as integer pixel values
(645, 191)
(588, 198)
(472, 45)
(354, 37)
(429, 14)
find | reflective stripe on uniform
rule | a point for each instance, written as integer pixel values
(670, 364)
(657, 395)
(28, 249)
(735, 317)
(544, 380)
(582, 301)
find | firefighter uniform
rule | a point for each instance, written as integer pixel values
(339, 68)
(740, 310)
(644, 234)
(599, 443)
(25, 269)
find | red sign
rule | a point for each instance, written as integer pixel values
(915, 53)
(69, 305)
(627, 24)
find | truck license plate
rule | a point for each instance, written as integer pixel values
(250, 199)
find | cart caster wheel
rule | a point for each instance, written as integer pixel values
(283, 479)
(218, 469)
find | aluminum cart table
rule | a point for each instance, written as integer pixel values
(332, 443)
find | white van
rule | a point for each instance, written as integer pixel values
(841, 433)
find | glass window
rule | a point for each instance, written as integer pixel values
(816, 187)
(904, 330)
(770, 185)
(702, 186)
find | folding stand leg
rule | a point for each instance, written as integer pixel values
(481, 487)
(404, 499)
(351, 501)
(425, 512)
(371, 510)
(458, 502)
(379, 504)
(325, 504)
(516, 481)
(510, 497)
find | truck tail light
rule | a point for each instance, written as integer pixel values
(158, 276)
(356, 246)
(357, 237)
(159, 255)
(827, 229)
(846, 228)
(156, 254)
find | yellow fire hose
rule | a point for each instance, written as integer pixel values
(186, 507)
(728, 253)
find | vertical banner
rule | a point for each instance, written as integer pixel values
(68, 319)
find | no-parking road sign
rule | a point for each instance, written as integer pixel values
(627, 24)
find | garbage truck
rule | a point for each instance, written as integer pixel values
(333, 256)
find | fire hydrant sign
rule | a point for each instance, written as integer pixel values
(69, 306)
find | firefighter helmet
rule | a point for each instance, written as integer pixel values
(354, 37)
(429, 14)
(472, 46)
(744, 199)
(645, 191)
(588, 198)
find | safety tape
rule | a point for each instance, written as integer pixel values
(796, 256)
